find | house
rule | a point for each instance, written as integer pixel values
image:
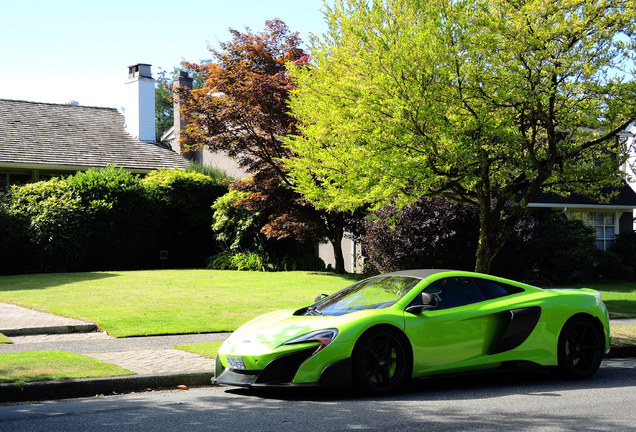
(608, 219)
(41, 140)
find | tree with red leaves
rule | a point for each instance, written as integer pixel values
(242, 111)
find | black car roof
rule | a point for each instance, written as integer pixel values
(417, 273)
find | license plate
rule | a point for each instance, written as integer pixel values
(235, 363)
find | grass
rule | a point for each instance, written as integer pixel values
(206, 349)
(624, 335)
(50, 365)
(4, 339)
(167, 301)
(196, 301)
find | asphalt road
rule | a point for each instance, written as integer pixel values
(516, 402)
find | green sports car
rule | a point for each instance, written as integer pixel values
(382, 331)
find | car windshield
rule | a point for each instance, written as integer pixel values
(373, 293)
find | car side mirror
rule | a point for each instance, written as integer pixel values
(320, 297)
(427, 301)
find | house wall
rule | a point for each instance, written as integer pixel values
(353, 259)
(223, 162)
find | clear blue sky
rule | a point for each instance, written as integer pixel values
(57, 51)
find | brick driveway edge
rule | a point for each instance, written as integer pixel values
(83, 387)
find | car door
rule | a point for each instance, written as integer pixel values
(455, 334)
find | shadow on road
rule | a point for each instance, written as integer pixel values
(487, 385)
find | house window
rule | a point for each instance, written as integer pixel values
(603, 223)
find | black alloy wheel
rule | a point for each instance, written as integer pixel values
(382, 361)
(581, 346)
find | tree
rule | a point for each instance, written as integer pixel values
(164, 109)
(242, 110)
(483, 102)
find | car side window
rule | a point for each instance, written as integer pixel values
(455, 291)
(494, 289)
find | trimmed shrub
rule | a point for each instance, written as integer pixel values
(105, 219)
(183, 202)
(16, 248)
(56, 223)
(122, 220)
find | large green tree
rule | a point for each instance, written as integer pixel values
(484, 102)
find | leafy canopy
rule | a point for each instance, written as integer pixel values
(484, 102)
(411, 97)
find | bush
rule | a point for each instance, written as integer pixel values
(236, 228)
(610, 266)
(122, 220)
(437, 233)
(55, 220)
(16, 248)
(625, 248)
(255, 261)
(250, 261)
(567, 250)
(183, 202)
(431, 233)
(238, 231)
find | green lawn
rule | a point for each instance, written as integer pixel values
(167, 301)
(196, 301)
(49, 365)
(4, 339)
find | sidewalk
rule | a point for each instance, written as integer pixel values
(156, 364)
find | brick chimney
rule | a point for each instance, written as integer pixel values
(182, 80)
(140, 103)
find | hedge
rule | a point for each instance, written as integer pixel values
(108, 219)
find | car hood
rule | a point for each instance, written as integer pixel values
(267, 332)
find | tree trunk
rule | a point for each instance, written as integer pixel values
(484, 255)
(338, 256)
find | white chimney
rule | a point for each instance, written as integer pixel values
(140, 103)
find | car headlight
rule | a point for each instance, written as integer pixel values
(324, 337)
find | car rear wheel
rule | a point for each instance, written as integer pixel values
(581, 346)
(382, 361)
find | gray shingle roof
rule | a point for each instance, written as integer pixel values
(51, 135)
(625, 197)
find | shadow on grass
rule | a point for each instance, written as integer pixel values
(621, 308)
(47, 280)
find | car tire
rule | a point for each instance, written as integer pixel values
(581, 347)
(382, 361)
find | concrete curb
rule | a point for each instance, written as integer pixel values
(83, 387)
(622, 351)
(61, 329)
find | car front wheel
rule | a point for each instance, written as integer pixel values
(382, 361)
